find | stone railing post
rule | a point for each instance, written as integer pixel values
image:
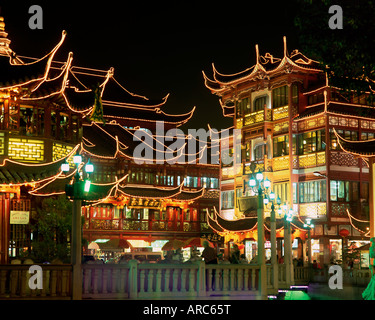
(201, 279)
(133, 278)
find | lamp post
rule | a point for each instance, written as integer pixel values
(77, 191)
(260, 186)
(274, 262)
(309, 226)
(288, 218)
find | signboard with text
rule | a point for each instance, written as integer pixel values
(19, 217)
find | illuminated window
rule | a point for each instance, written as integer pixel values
(280, 97)
(227, 199)
(280, 146)
(367, 135)
(260, 103)
(312, 191)
(259, 152)
(242, 107)
(310, 142)
(346, 191)
(347, 134)
(282, 190)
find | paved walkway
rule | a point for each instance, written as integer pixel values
(319, 291)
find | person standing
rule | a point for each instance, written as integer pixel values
(209, 254)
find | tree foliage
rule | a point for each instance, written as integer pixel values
(349, 52)
(51, 228)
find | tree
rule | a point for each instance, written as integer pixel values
(346, 54)
(51, 226)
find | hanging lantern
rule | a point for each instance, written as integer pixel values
(344, 233)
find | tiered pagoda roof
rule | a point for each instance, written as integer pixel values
(17, 173)
(16, 73)
(337, 108)
(363, 226)
(102, 191)
(111, 140)
(56, 186)
(363, 149)
(82, 90)
(222, 225)
(266, 67)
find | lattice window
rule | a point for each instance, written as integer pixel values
(28, 150)
(59, 151)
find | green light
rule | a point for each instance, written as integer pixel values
(259, 176)
(65, 166)
(77, 159)
(267, 183)
(252, 182)
(89, 168)
(87, 186)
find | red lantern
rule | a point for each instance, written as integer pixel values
(344, 233)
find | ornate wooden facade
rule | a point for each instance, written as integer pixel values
(287, 112)
(49, 110)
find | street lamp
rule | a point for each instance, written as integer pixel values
(274, 262)
(288, 218)
(308, 225)
(77, 191)
(260, 187)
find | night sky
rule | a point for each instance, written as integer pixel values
(158, 47)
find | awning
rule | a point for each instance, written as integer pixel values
(173, 245)
(93, 245)
(114, 244)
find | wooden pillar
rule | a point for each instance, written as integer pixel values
(4, 230)
(371, 197)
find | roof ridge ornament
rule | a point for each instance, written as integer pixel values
(4, 40)
(285, 46)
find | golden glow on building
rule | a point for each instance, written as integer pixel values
(28, 150)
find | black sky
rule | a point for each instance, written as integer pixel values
(158, 47)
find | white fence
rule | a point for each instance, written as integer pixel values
(56, 282)
(135, 280)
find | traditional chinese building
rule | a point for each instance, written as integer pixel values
(287, 110)
(50, 110)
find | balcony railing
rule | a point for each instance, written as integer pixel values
(143, 225)
(315, 210)
(280, 163)
(280, 113)
(254, 117)
(312, 160)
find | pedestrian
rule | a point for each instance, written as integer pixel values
(209, 254)
(210, 257)
(235, 256)
(315, 265)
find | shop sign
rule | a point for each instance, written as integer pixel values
(145, 203)
(213, 237)
(19, 217)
